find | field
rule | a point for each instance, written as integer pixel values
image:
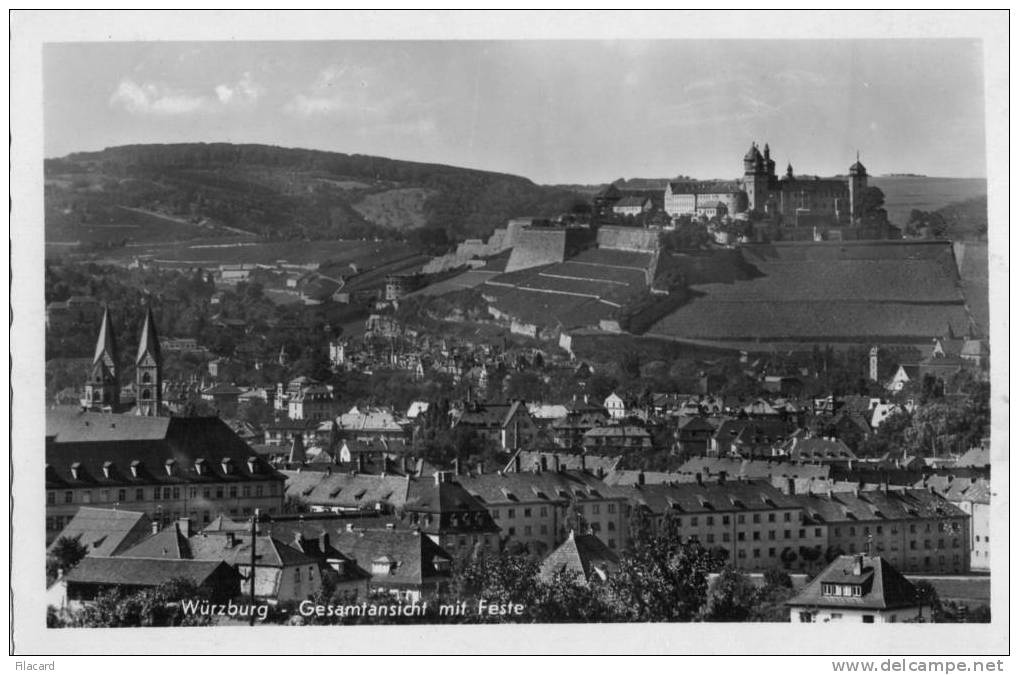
(905, 193)
(214, 252)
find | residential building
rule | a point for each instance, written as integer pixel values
(371, 424)
(164, 467)
(858, 589)
(322, 491)
(752, 523)
(539, 506)
(403, 563)
(615, 405)
(104, 532)
(510, 425)
(617, 438)
(442, 509)
(918, 531)
(972, 496)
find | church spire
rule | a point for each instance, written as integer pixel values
(102, 388)
(149, 370)
(149, 341)
(106, 344)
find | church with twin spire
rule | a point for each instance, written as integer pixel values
(103, 386)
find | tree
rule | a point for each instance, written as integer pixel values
(65, 554)
(157, 606)
(660, 581)
(731, 597)
(564, 598)
(498, 578)
(872, 206)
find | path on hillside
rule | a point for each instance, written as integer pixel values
(185, 221)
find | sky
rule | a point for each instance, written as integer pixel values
(554, 111)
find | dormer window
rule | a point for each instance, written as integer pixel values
(227, 465)
(135, 465)
(383, 565)
(252, 464)
(106, 468)
(199, 466)
(76, 470)
(169, 466)
(842, 590)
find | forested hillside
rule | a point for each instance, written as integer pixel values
(168, 192)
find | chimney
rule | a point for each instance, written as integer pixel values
(360, 462)
(583, 461)
(722, 475)
(700, 478)
(323, 541)
(516, 463)
(350, 527)
(438, 477)
(858, 564)
(298, 539)
(155, 527)
(543, 461)
(386, 465)
(641, 479)
(231, 539)
(184, 527)
(481, 468)
(556, 463)
(791, 486)
(456, 466)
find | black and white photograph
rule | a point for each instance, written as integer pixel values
(586, 326)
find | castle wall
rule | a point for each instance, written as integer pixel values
(628, 238)
(537, 246)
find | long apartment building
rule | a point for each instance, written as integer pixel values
(541, 506)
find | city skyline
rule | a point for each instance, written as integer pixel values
(662, 108)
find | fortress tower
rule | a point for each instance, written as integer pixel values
(102, 389)
(149, 370)
(857, 186)
(758, 175)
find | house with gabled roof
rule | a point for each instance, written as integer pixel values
(858, 589)
(508, 424)
(441, 507)
(404, 563)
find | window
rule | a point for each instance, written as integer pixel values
(612, 526)
(880, 530)
(527, 513)
(757, 517)
(68, 497)
(495, 513)
(771, 553)
(817, 531)
(233, 492)
(122, 495)
(297, 575)
(788, 534)
(711, 538)
(258, 490)
(246, 491)
(757, 536)
(740, 536)
(725, 520)
(86, 497)
(612, 543)
(742, 553)
(219, 492)
(139, 494)
(803, 533)
(838, 532)
(787, 517)
(51, 498)
(596, 509)
(852, 531)
(176, 493)
(771, 535)
(757, 553)
(806, 617)
(543, 512)
(836, 616)
(544, 528)
(868, 618)
(512, 531)
(527, 529)
(611, 508)
(741, 519)
(771, 517)
(512, 513)
(693, 521)
(711, 520)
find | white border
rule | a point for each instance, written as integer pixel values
(30, 29)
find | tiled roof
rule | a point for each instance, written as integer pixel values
(413, 555)
(572, 461)
(346, 490)
(883, 587)
(752, 468)
(731, 496)
(817, 450)
(975, 457)
(371, 419)
(539, 486)
(106, 532)
(583, 554)
(106, 449)
(146, 572)
(871, 505)
(623, 477)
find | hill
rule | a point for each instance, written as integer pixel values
(148, 193)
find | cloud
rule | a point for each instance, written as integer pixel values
(154, 99)
(244, 91)
(345, 89)
(157, 98)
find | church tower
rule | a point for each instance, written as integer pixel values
(755, 178)
(148, 376)
(102, 389)
(857, 186)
